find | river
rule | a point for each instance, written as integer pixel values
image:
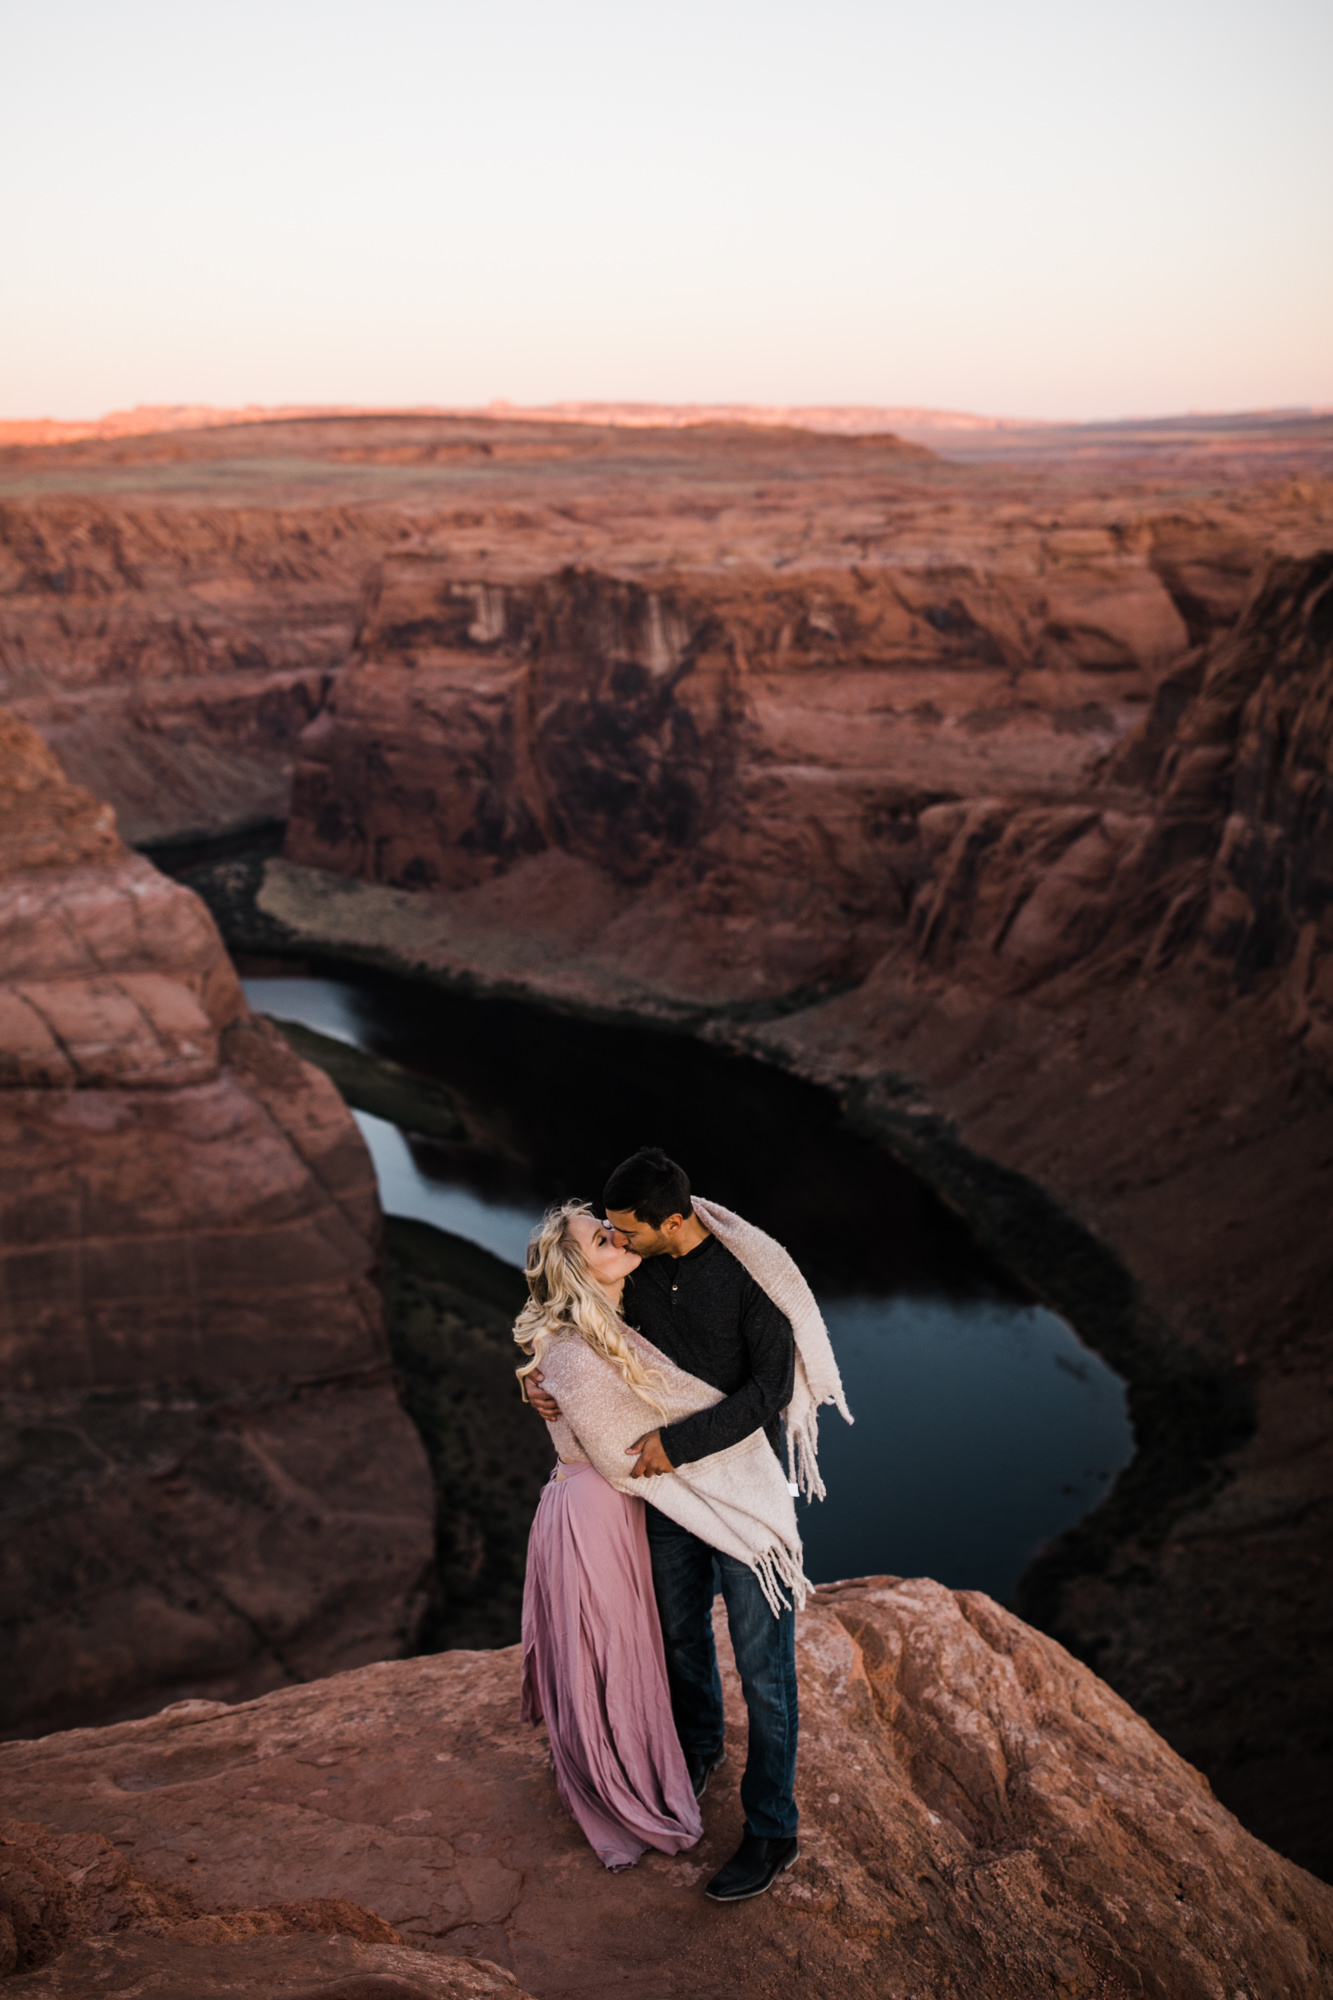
(983, 1425)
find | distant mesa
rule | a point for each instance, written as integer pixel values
(147, 419)
(964, 434)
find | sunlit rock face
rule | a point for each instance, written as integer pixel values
(208, 1480)
(979, 1814)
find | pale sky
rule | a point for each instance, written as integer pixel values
(1043, 208)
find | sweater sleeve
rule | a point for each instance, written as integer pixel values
(604, 1413)
(772, 1351)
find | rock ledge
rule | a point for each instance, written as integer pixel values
(981, 1815)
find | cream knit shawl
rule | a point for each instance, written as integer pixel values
(736, 1500)
(775, 1271)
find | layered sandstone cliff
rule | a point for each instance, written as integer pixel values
(1130, 1008)
(208, 1482)
(976, 793)
(1029, 861)
(173, 605)
(980, 1815)
(171, 655)
(733, 786)
(755, 750)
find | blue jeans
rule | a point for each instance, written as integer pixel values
(687, 1574)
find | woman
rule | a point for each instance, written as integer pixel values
(593, 1666)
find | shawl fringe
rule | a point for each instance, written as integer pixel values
(778, 1568)
(817, 1379)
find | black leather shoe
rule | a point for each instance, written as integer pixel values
(701, 1769)
(754, 1867)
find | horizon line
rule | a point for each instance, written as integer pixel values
(629, 413)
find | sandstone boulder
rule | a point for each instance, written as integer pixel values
(980, 1815)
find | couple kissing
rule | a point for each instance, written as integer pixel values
(669, 1344)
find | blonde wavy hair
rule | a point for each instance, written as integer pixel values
(566, 1298)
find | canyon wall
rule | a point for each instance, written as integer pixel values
(1027, 855)
(208, 1482)
(790, 765)
(169, 655)
(173, 605)
(992, 797)
(1131, 1009)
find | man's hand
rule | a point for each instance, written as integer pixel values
(542, 1401)
(651, 1456)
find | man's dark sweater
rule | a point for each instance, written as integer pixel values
(708, 1315)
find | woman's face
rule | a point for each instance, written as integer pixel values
(609, 1266)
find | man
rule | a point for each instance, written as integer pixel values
(696, 1302)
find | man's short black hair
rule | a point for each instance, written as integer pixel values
(651, 1186)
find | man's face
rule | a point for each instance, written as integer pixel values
(641, 1237)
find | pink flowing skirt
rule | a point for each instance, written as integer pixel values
(595, 1673)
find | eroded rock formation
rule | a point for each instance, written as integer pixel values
(172, 605)
(1061, 832)
(1131, 1008)
(209, 1483)
(171, 656)
(979, 1815)
(974, 792)
(755, 751)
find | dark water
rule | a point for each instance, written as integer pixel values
(983, 1425)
